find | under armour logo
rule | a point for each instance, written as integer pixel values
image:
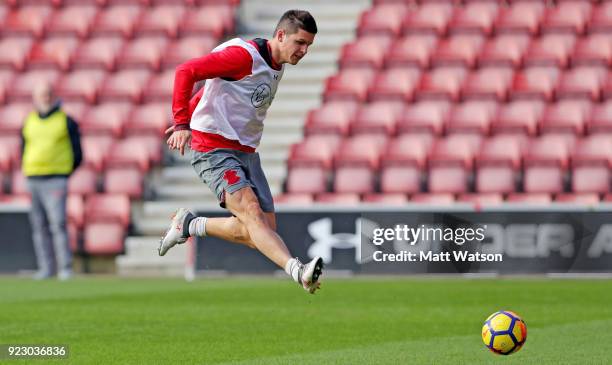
(325, 240)
(231, 177)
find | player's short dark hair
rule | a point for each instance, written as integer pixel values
(293, 20)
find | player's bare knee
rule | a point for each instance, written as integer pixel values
(255, 215)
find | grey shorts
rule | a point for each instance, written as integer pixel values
(227, 170)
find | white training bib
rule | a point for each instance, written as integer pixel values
(236, 109)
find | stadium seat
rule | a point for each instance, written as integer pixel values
(95, 149)
(75, 109)
(567, 17)
(550, 150)
(72, 20)
(400, 179)
(455, 150)
(106, 118)
(211, 20)
(567, 117)
(600, 120)
(349, 84)
(6, 79)
(333, 117)
(601, 20)
(382, 19)
(318, 150)
(488, 83)
(545, 163)
(127, 153)
(11, 147)
(475, 17)
(187, 48)
(481, 199)
(471, 117)
(394, 84)
(429, 18)
(150, 145)
(386, 199)
(145, 52)
(495, 179)
(53, 53)
(149, 119)
(161, 20)
(159, 87)
(125, 85)
(13, 116)
(589, 199)
(595, 49)
(433, 199)
(413, 50)
(448, 179)
(377, 118)
(550, 50)
(84, 181)
(367, 51)
(75, 210)
(424, 117)
(407, 150)
(504, 50)
(117, 20)
(518, 117)
(307, 180)
(108, 208)
(26, 20)
(497, 164)
(294, 199)
(19, 184)
(459, 50)
(535, 82)
(82, 85)
(98, 53)
(589, 178)
(354, 179)
(14, 52)
(103, 238)
(521, 17)
(442, 83)
(530, 199)
(124, 181)
(361, 150)
(339, 199)
(24, 83)
(582, 82)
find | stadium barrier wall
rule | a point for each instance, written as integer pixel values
(504, 240)
(17, 249)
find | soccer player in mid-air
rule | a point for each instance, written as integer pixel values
(224, 121)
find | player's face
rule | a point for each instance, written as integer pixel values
(295, 46)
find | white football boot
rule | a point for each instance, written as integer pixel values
(309, 274)
(178, 233)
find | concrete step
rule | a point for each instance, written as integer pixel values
(141, 258)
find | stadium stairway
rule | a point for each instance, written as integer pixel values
(176, 184)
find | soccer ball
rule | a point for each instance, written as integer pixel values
(504, 332)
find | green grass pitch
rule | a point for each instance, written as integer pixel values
(271, 321)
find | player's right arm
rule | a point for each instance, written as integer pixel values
(232, 63)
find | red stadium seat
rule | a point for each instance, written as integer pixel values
(395, 84)
(317, 150)
(504, 50)
(53, 53)
(25, 82)
(407, 150)
(497, 164)
(495, 179)
(386, 199)
(530, 199)
(95, 150)
(582, 82)
(400, 179)
(124, 181)
(14, 52)
(567, 17)
(448, 179)
(146, 52)
(108, 208)
(591, 161)
(26, 20)
(378, 117)
(75, 210)
(117, 20)
(488, 83)
(354, 179)
(593, 150)
(187, 48)
(98, 53)
(368, 51)
(601, 20)
(523, 17)
(294, 199)
(80, 85)
(471, 117)
(150, 145)
(128, 153)
(591, 179)
(600, 120)
(459, 50)
(103, 238)
(349, 84)
(333, 117)
(125, 85)
(550, 50)
(430, 18)
(214, 20)
(570, 198)
(411, 50)
(475, 17)
(73, 20)
(11, 150)
(6, 79)
(545, 162)
(424, 116)
(339, 199)
(535, 82)
(160, 87)
(149, 119)
(361, 150)
(568, 116)
(12, 117)
(481, 199)
(442, 83)
(382, 19)
(593, 49)
(455, 150)
(107, 118)
(550, 150)
(518, 117)
(307, 179)
(161, 20)
(83, 181)
(75, 109)
(19, 185)
(433, 199)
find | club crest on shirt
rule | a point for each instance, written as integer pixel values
(261, 95)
